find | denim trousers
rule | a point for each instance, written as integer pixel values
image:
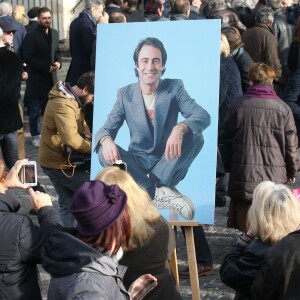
(34, 112)
(148, 172)
(9, 148)
(65, 188)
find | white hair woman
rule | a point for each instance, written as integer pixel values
(274, 213)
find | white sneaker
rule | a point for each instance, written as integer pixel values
(36, 141)
(169, 197)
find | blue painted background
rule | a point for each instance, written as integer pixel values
(193, 49)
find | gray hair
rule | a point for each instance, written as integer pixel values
(216, 3)
(5, 9)
(93, 3)
(275, 4)
(1, 32)
(264, 15)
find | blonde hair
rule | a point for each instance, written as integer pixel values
(274, 212)
(224, 46)
(19, 15)
(143, 214)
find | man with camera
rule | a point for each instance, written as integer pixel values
(64, 131)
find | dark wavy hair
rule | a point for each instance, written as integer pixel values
(150, 42)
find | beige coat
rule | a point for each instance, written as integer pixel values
(63, 124)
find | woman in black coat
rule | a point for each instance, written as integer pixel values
(274, 213)
(239, 54)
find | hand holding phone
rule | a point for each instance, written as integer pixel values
(12, 179)
(142, 286)
(120, 164)
(28, 174)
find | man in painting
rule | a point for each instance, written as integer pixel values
(161, 150)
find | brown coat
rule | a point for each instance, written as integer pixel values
(63, 124)
(262, 46)
(264, 144)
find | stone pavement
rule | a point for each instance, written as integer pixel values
(219, 237)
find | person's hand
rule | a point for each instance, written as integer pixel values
(174, 142)
(292, 180)
(38, 199)
(56, 65)
(110, 151)
(24, 75)
(12, 179)
(139, 284)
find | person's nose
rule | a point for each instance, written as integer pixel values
(150, 65)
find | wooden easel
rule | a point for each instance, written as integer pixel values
(191, 255)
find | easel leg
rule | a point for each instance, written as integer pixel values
(190, 245)
(174, 266)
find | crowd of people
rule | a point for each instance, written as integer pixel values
(108, 239)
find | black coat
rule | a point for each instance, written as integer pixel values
(241, 265)
(153, 259)
(243, 62)
(278, 278)
(82, 38)
(230, 88)
(21, 243)
(134, 16)
(10, 81)
(291, 95)
(39, 54)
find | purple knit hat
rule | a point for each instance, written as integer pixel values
(96, 206)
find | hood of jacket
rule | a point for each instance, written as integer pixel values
(64, 254)
(8, 203)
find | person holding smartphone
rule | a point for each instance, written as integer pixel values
(21, 240)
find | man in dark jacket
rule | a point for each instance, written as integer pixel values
(180, 10)
(195, 10)
(261, 43)
(41, 52)
(131, 11)
(284, 33)
(82, 37)
(21, 240)
(82, 41)
(218, 10)
(279, 276)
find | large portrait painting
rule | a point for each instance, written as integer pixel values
(156, 110)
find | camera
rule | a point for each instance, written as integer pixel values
(121, 165)
(28, 173)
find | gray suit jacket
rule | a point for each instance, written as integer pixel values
(171, 99)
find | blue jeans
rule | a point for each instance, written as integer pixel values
(9, 148)
(65, 188)
(148, 172)
(34, 112)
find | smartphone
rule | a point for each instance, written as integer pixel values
(121, 165)
(28, 173)
(141, 294)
